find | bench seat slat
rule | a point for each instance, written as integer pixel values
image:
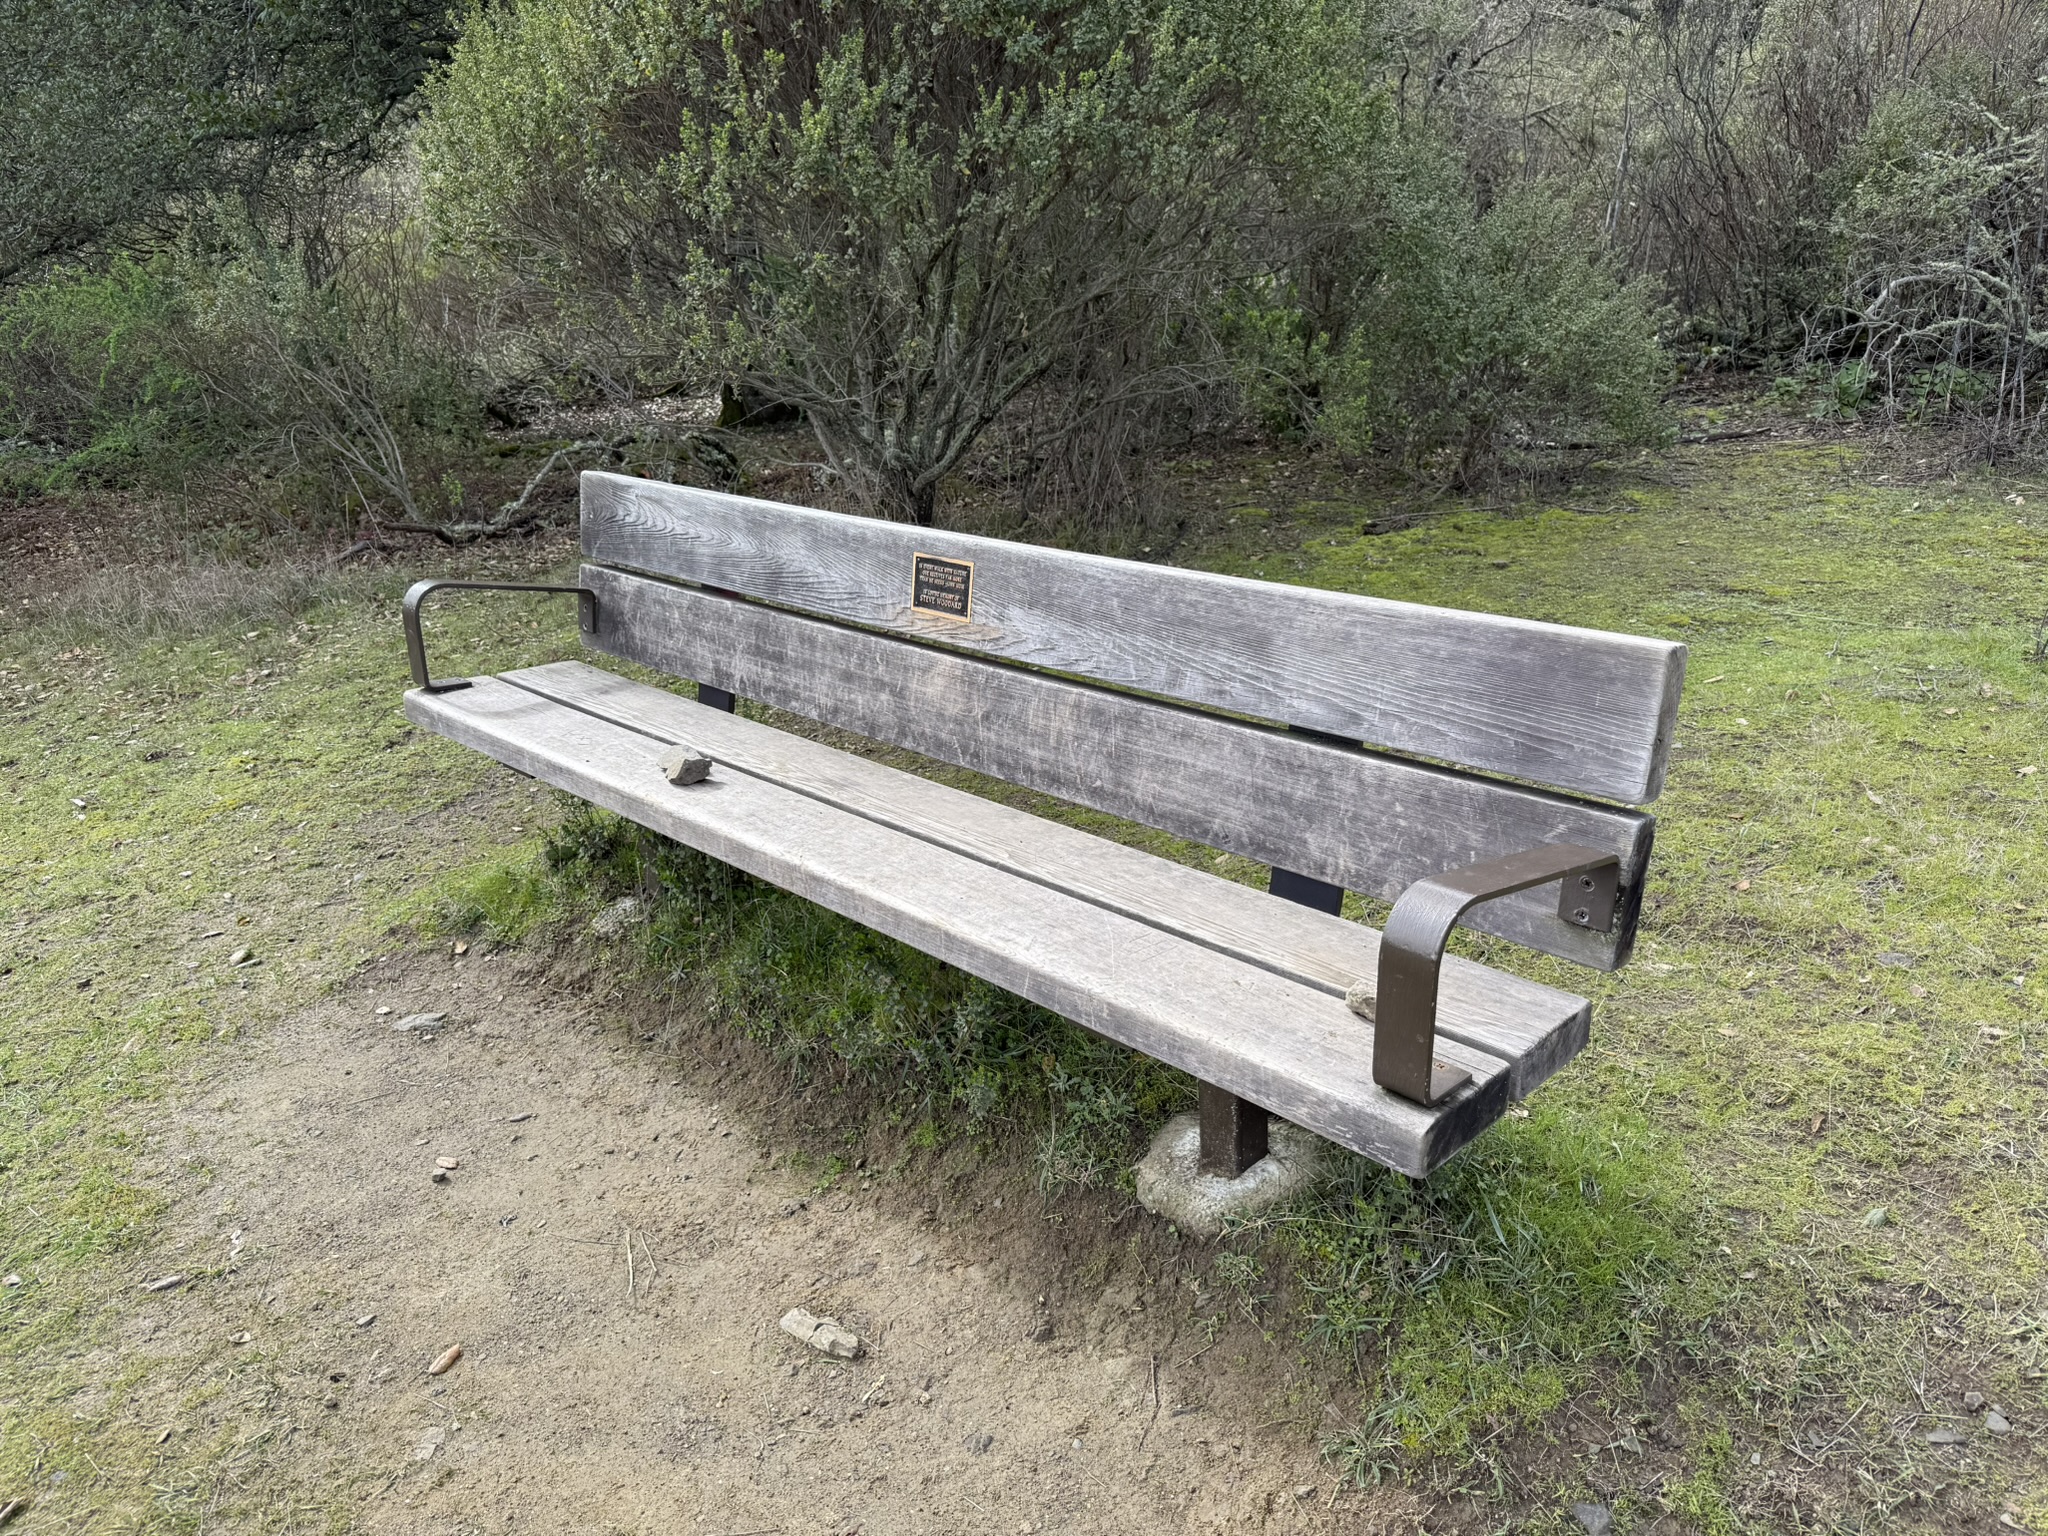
(1535, 1028)
(1356, 819)
(1578, 709)
(1292, 1047)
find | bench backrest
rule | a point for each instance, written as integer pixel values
(1356, 740)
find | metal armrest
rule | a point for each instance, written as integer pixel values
(1412, 951)
(416, 646)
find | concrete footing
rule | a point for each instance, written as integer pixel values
(1172, 1185)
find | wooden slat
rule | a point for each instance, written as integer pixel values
(1294, 1049)
(1576, 709)
(1535, 1028)
(1366, 822)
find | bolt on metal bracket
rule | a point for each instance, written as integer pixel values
(1412, 951)
(416, 645)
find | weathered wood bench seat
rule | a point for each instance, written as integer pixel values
(1213, 708)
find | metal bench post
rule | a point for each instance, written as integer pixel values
(1234, 1130)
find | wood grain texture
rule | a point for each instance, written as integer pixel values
(1534, 1028)
(1360, 820)
(1269, 1039)
(1576, 709)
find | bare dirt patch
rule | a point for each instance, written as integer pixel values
(1031, 1367)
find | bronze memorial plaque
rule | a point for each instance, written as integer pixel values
(944, 588)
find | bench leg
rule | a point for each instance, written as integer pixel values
(717, 698)
(1304, 890)
(1234, 1129)
(1233, 1133)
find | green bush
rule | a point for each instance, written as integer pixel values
(93, 377)
(229, 355)
(900, 217)
(1481, 340)
(1937, 236)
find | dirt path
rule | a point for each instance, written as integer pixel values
(589, 1398)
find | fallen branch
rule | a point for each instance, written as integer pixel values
(1724, 437)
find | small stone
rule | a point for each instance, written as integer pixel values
(1876, 1216)
(450, 1164)
(618, 917)
(1041, 1329)
(446, 1361)
(240, 1338)
(979, 1444)
(417, 1021)
(1896, 960)
(1630, 1443)
(11, 1281)
(460, 947)
(366, 1319)
(1595, 1519)
(1362, 995)
(382, 1009)
(685, 765)
(823, 1334)
(1974, 1401)
(1945, 1437)
(429, 1443)
(242, 957)
(1305, 1491)
(1997, 1423)
(167, 1283)
(330, 1401)
(439, 1176)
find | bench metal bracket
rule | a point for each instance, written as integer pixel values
(416, 645)
(1412, 951)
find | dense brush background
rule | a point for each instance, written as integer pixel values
(308, 265)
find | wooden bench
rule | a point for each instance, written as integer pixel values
(1468, 768)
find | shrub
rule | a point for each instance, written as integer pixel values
(899, 217)
(231, 353)
(1485, 337)
(92, 382)
(1940, 235)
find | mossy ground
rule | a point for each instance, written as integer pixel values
(1727, 1273)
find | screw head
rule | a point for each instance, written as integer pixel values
(1581, 915)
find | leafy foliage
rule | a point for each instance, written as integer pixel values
(898, 217)
(1482, 335)
(117, 115)
(1944, 300)
(237, 359)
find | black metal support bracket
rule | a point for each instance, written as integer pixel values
(1234, 1130)
(1412, 951)
(1234, 1133)
(416, 645)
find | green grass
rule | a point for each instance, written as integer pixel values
(1668, 1286)
(1835, 1011)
